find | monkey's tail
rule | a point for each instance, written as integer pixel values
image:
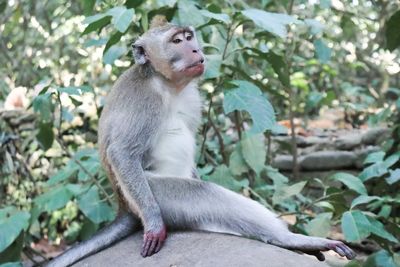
(122, 226)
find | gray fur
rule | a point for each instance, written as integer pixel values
(123, 226)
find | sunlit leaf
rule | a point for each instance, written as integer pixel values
(223, 177)
(355, 226)
(351, 181)
(322, 50)
(217, 16)
(377, 228)
(95, 209)
(121, 17)
(286, 191)
(254, 151)
(319, 225)
(53, 199)
(363, 199)
(248, 97)
(12, 222)
(113, 54)
(394, 176)
(274, 23)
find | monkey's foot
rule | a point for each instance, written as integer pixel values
(153, 241)
(337, 246)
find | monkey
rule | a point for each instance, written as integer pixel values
(147, 144)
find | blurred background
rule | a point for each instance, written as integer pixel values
(301, 113)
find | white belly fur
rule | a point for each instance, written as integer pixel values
(174, 150)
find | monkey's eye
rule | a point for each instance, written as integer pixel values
(189, 37)
(176, 41)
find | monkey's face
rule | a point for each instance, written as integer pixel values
(185, 55)
(172, 51)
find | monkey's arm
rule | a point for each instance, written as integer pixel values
(126, 165)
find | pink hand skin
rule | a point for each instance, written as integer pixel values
(153, 241)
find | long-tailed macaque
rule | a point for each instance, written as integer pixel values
(147, 146)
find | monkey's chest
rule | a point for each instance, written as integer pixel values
(174, 149)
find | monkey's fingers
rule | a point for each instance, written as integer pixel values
(152, 242)
(341, 249)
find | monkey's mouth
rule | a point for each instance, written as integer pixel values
(196, 68)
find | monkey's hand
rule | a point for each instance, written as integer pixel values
(153, 240)
(337, 246)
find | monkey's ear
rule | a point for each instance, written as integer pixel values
(139, 54)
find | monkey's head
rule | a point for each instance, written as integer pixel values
(173, 51)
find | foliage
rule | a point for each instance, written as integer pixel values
(265, 61)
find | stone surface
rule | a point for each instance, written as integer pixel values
(283, 162)
(328, 160)
(372, 136)
(348, 142)
(200, 249)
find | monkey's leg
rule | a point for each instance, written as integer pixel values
(193, 204)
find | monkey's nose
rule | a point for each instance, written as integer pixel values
(202, 60)
(195, 50)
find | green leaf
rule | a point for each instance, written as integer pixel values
(351, 181)
(285, 192)
(274, 23)
(278, 178)
(223, 177)
(323, 52)
(63, 174)
(98, 24)
(94, 208)
(53, 199)
(280, 67)
(11, 224)
(394, 176)
(45, 136)
(113, 40)
(95, 42)
(377, 228)
(363, 199)
(325, 3)
(88, 6)
(355, 226)
(113, 53)
(213, 63)
(254, 152)
(392, 31)
(319, 225)
(188, 13)
(75, 90)
(375, 170)
(217, 16)
(43, 105)
(122, 17)
(381, 258)
(237, 164)
(94, 18)
(316, 27)
(11, 264)
(374, 157)
(249, 97)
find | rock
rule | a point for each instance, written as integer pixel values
(283, 162)
(363, 153)
(348, 142)
(200, 249)
(372, 136)
(327, 160)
